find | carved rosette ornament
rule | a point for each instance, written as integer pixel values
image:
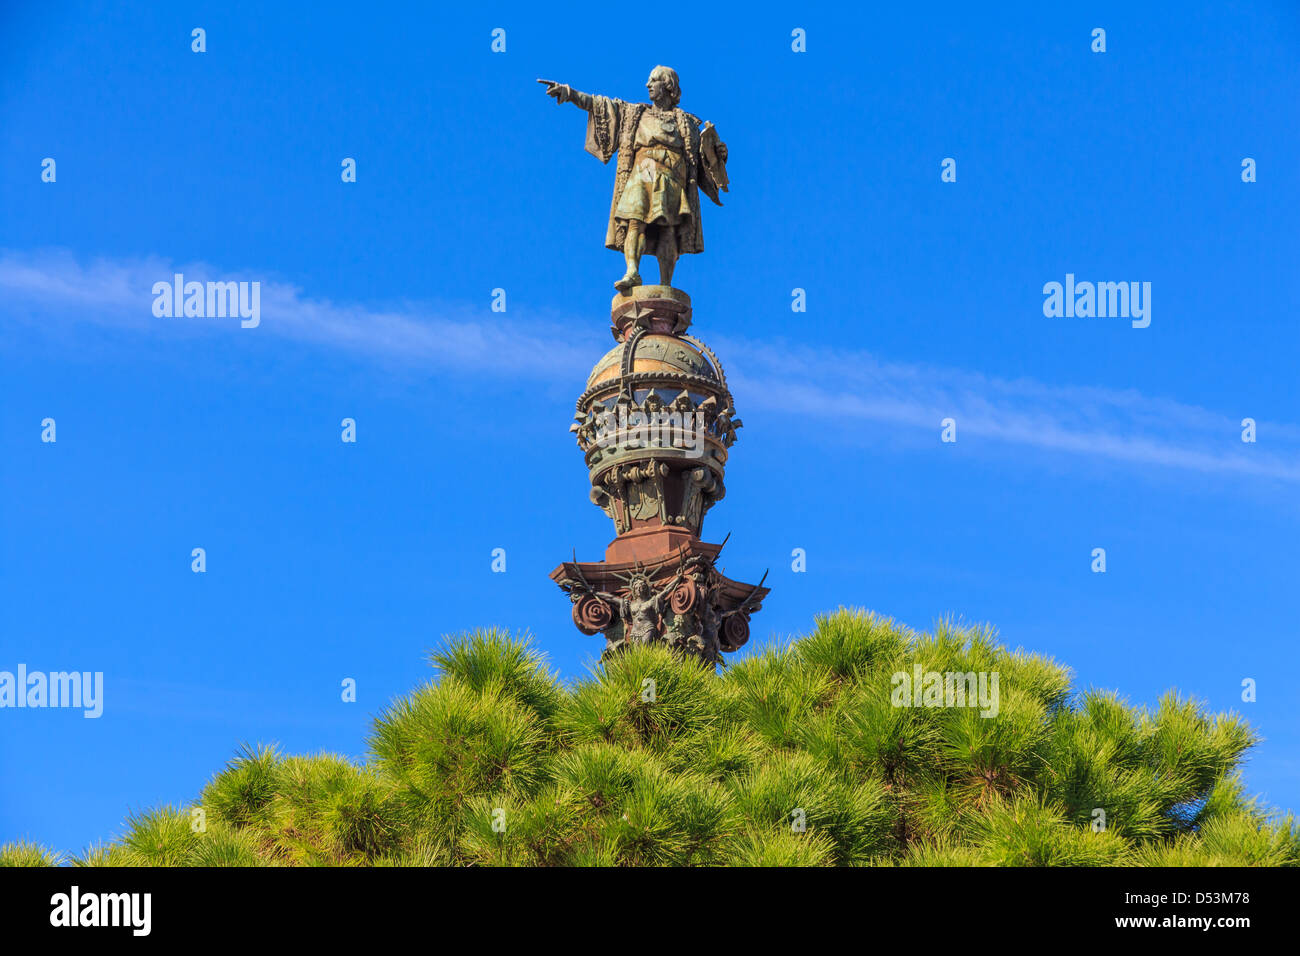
(736, 632)
(655, 422)
(684, 597)
(591, 614)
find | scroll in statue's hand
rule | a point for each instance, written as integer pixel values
(714, 153)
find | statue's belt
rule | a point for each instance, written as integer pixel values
(661, 155)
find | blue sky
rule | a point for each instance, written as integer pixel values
(328, 560)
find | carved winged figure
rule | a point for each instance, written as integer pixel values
(641, 609)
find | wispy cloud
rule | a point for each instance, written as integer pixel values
(57, 287)
(1119, 425)
(830, 386)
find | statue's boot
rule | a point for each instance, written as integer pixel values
(628, 282)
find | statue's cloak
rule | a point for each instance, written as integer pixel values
(611, 128)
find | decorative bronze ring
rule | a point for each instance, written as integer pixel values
(685, 380)
(735, 632)
(683, 598)
(591, 615)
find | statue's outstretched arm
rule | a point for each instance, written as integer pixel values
(564, 93)
(672, 586)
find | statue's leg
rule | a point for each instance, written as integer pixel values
(633, 246)
(666, 253)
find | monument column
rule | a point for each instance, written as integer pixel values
(655, 422)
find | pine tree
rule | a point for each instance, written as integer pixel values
(797, 755)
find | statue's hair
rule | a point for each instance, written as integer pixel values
(674, 84)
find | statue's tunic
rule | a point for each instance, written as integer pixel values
(659, 170)
(656, 191)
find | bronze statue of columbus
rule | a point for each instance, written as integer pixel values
(666, 157)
